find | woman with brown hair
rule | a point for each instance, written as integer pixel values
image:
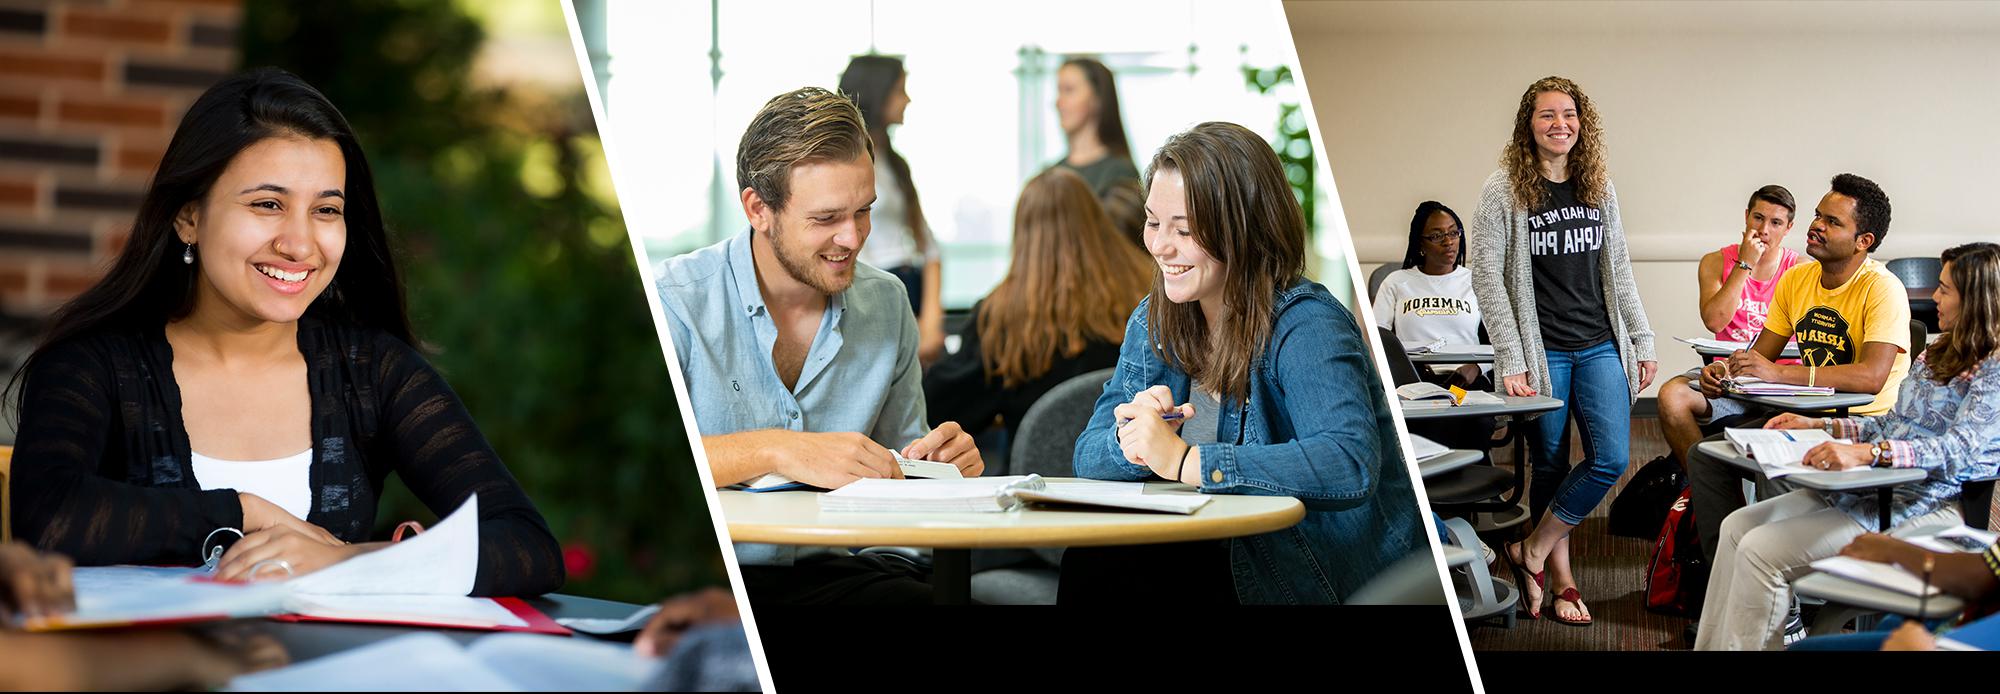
(1087, 110)
(901, 241)
(1058, 313)
(1240, 376)
(1555, 290)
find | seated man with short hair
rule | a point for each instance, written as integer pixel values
(1737, 283)
(1850, 316)
(798, 360)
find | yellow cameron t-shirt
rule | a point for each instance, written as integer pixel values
(1832, 324)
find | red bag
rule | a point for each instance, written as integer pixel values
(1677, 576)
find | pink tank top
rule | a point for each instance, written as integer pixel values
(1756, 306)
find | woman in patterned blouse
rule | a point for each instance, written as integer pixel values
(1946, 421)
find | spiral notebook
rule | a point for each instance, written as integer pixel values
(421, 581)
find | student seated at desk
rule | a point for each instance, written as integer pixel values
(1852, 322)
(1946, 420)
(1431, 298)
(36, 583)
(1059, 313)
(1275, 390)
(1973, 577)
(1737, 283)
(799, 360)
(247, 364)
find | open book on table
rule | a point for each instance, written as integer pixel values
(1779, 452)
(1424, 396)
(1750, 385)
(709, 658)
(1885, 576)
(998, 494)
(421, 581)
(1425, 449)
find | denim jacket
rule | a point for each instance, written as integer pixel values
(1315, 426)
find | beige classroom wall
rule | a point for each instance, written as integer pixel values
(1702, 103)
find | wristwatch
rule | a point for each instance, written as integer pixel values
(1881, 452)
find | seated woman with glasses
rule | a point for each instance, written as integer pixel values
(1431, 298)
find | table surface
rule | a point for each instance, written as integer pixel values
(1450, 358)
(1842, 481)
(1453, 460)
(308, 640)
(1534, 404)
(794, 518)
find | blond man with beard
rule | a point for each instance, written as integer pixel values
(801, 362)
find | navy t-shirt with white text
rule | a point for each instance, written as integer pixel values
(1566, 245)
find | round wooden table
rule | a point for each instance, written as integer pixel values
(794, 518)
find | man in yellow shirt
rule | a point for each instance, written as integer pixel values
(1852, 321)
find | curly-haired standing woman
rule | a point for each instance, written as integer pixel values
(1555, 283)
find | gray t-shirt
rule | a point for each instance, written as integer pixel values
(1207, 420)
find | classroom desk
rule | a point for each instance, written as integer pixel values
(307, 640)
(1518, 410)
(1791, 351)
(1837, 403)
(794, 518)
(1883, 480)
(1450, 358)
(1847, 599)
(1453, 460)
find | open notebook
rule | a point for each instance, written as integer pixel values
(998, 494)
(709, 658)
(420, 581)
(1779, 452)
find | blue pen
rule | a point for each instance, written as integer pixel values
(1170, 416)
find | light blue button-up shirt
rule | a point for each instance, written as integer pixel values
(861, 374)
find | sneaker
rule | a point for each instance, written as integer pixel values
(1795, 624)
(1486, 552)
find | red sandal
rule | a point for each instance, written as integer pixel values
(1570, 595)
(1522, 574)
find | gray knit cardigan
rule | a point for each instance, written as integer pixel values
(1503, 279)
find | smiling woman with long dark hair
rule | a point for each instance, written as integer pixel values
(247, 363)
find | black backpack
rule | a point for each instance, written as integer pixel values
(1642, 506)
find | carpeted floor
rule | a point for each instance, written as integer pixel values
(1611, 573)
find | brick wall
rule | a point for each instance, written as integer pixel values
(90, 92)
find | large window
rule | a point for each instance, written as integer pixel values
(683, 79)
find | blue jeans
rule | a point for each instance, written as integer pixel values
(1592, 385)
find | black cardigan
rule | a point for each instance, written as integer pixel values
(957, 388)
(103, 472)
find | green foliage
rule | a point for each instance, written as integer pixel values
(521, 281)
(1294, 143)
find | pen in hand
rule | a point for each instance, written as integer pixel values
(1170, 416)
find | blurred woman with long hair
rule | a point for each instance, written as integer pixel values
(901, 240)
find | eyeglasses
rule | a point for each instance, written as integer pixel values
(1442, 236)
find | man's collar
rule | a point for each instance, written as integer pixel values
(743, 267)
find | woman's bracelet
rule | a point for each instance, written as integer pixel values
(1182, 466)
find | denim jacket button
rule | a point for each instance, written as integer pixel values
(1215, 476)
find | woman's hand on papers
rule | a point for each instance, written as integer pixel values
(1517, 385)
(1839, 456)
(1911, 636)
(260, 514)
(1793, 420)
(303, 553)
(948, 443)
(830, 460)
(1877, 547)
(33, 583)
(681, 613)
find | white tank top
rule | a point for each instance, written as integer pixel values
(283, 481)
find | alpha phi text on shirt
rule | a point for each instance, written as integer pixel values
(1568, 236)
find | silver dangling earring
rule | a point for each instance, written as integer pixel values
(187, 256)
